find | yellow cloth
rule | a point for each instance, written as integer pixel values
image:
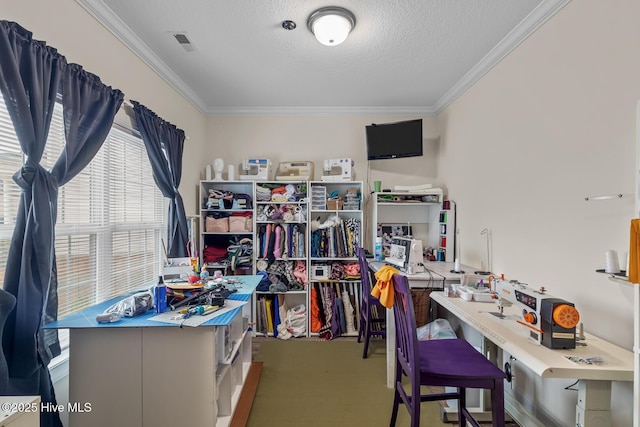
(634, 252)
(383, 289)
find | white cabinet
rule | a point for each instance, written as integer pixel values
(420, 214)
(281, 250)
(336, 225)
(226, 226)
(20, 411)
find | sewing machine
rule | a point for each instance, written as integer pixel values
(255, 169)
(338, 170)
(406, 254)
(550, 321)
(295, 171)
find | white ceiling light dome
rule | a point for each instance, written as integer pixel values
(331, 25)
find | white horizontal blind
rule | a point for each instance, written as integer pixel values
(111, 216)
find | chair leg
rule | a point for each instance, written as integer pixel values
(497, 403)
(415, 399)
(394, 411)
(367, 335)
(462, 404)
(361, 327)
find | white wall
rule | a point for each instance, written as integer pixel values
(317, 138)
(66, 26)
(554, 123)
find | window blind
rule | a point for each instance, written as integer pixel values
(111, 216)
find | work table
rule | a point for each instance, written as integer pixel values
(134, 371)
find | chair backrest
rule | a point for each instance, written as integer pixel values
(365, 275)
(405, 321)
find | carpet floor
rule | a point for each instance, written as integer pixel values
(327, 383)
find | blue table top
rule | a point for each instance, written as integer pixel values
(86, 318)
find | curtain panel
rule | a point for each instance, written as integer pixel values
(32, 76)
(165, 144)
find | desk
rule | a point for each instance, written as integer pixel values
(437, 275)
(594, 388)
(146, 373)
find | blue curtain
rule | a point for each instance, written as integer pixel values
(167, 171)
(31, 76)
(7, 302)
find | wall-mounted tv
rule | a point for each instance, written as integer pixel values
(394, 140)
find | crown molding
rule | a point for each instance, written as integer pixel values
(114, 24)
(323, 111)
(528, 26)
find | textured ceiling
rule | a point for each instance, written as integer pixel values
(403, 56)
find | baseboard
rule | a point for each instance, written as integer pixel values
(241, 413)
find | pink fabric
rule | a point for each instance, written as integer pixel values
(300, 272)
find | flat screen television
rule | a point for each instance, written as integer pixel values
(394, 140)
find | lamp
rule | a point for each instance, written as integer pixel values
(331, 25)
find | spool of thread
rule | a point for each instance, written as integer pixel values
(611, 264)
(456, 265)
(231, 173)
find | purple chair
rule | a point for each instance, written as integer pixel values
(366, 328)
(439, 363)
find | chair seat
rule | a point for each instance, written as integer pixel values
(447, 360)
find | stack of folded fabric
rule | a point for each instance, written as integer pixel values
(263, 194)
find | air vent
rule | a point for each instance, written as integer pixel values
(184, 42)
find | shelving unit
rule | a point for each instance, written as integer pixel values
(336, 231)
(226, 226)
(281, 250)
(233, 360)
(447, 221)
(415, 213)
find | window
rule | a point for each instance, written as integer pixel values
(111, 217)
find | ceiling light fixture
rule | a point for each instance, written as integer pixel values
(331, 25)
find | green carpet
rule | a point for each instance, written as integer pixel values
(327, 383)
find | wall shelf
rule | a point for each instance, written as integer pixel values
(617, 277)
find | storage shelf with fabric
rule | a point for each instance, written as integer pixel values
(226, 226)
(335, 221)
(281, 314)
(281, 256)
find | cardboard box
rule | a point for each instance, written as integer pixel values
(334, 204)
